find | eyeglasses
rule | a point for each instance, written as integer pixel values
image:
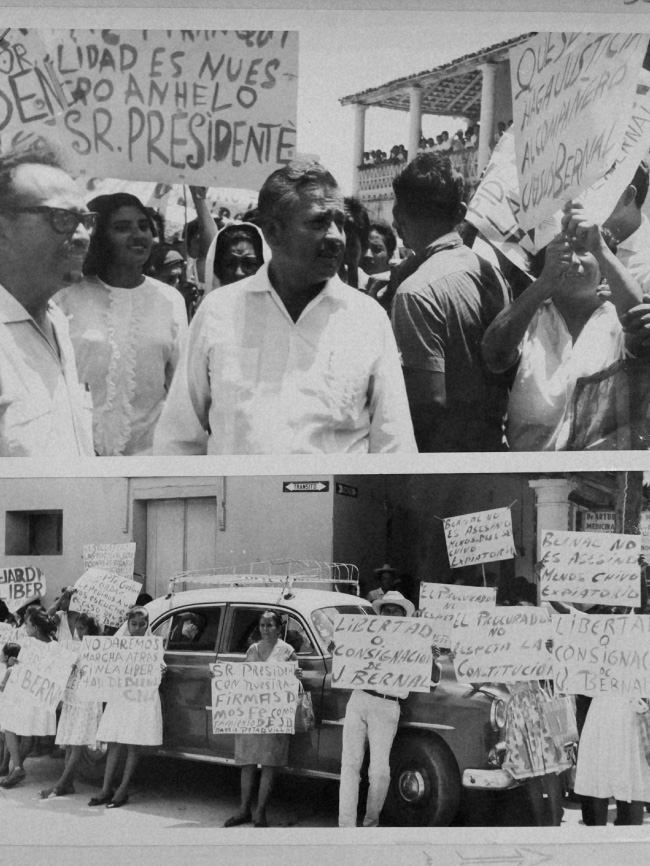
(64, 222)
(248, 264)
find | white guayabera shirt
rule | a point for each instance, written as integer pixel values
(253, 381)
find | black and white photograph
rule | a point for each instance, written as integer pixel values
(284, 295)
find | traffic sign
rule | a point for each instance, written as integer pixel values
(305, 486)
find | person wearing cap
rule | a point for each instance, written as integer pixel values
(440, 313)
(387, 579)
(373, 717)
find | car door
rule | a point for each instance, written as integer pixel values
(185, 691)
(240, 633)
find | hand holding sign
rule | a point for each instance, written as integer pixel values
(582, 230)
(557, 261)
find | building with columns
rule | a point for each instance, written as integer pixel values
(475, 87)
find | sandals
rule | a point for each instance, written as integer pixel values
(237, 820)
(13, 779)
(115, 804)
(100, 801)
(48, 793)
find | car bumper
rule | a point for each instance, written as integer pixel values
(489, 780)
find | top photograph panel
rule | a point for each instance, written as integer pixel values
(278, 242)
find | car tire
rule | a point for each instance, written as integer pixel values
(425, 784)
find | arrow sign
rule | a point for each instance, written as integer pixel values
(347, 490)
(305, 486)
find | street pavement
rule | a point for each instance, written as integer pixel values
(177, 809)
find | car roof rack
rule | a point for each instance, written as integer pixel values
(284, 573)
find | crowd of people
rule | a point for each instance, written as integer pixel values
(581, 760)
(268, 334)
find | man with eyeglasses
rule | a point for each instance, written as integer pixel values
(45, 229)
(290, 360)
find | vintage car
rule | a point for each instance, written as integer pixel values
(448, 740)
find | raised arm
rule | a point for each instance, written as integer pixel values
(626, 292)
(502, 339)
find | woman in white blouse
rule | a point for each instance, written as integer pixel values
(126, 328)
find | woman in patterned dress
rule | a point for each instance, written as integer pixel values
(531, 752)
(79, 719)
(126, 328)
(269, 750)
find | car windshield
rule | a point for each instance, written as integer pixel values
(323, 618)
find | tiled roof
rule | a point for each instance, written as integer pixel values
(453, 88)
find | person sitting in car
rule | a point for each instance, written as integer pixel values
(188, 630)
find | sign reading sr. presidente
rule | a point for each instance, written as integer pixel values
(572, 96)
(590, 567)
(254, 697)
(210, 107)
(482, 536)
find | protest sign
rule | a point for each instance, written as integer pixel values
(120, 667)
(209, 107)
(21, 585)
(598, 653)
(254, 697)
(118, 558)
(440, 601)
(104, 595)
(41, 675)
(482, 536)
(502, 645)
(572, 96)
(382, 653)
(590, 567)
(7, 633)
(495, 206)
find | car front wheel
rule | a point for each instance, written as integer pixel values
(425, 785)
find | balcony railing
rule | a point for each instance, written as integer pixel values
(376, 181)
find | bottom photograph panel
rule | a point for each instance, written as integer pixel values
(327, 651)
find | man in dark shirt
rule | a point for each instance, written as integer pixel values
(441, 312)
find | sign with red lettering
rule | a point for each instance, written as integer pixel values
(209, 107)
(572, 96)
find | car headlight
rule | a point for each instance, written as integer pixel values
(498, 714)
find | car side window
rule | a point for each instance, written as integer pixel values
(192, 630)
(245, 632)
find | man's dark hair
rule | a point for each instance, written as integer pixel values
(357, 221)
(428, 188)
(640, 181)
(382, 228)
(37, 152)
(281, 189)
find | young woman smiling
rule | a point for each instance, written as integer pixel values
(126, 328)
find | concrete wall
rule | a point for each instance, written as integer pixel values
(94, 512)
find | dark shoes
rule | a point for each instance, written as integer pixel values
(100, 801)
(13, 779)
(237, 820)
(115, 804)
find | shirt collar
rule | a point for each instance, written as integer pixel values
(638, 240)
(11, 310)
(260, 282)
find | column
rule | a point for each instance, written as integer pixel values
(415, 121)
(552, 505)
(487, 114)
(359, 144)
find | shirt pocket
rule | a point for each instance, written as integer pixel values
(233, 374)
(344, 387)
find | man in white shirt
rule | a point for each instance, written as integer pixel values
(44, 235)
(373, 717)
(290, 360)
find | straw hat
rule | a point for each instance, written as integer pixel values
(394, 597)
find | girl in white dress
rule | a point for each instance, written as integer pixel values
(66, 618)
(7, 661)
(24, 719)
(126, 328)
(127, 726)
(79, 719)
